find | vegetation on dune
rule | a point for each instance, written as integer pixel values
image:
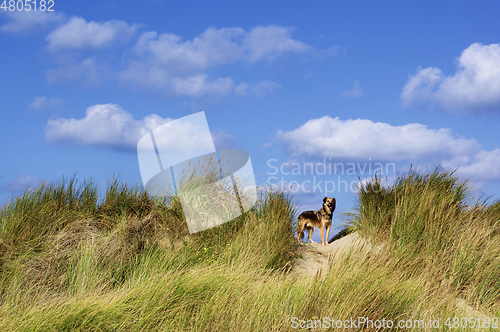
(72, 260)
(432, 222)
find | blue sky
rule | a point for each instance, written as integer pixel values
(357, 84)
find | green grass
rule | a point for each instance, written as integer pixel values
(72, 260)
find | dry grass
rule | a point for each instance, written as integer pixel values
(70, 260)
(433, 224)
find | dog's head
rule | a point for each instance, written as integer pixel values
(329, 204)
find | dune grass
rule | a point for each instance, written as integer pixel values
(433, 223)
(72, 260)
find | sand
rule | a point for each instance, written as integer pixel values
(315, 257)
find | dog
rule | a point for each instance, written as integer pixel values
(321, 219)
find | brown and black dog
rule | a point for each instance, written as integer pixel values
(321, 219)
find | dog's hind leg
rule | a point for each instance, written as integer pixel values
(310, 231)
(300, 231)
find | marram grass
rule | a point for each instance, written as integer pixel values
(71, 260)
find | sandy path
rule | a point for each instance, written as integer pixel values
(315, 260)
(315, 257)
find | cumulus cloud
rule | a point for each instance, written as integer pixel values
(360, 140)
(211, 48)
(42, 104)
(30, 21)
(103, 125)
(473, 88)
(355, 92)
(270, 42)
(166, 62)
(77, 33)
(108, 125)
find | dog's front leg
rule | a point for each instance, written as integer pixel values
(322, 231)
(328, 234)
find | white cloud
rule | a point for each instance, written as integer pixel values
(110, 126)
(80, 34)
(483, 167)
(104, 125)
(358, 140)
(164, 62)
(474, 87)
(355, 92)
(42, 104)
(270, 42)
(362, 139)
(30, 21)
(213, 47)
(183, 139)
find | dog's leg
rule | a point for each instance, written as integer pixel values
(328, 234)
(310, 231)
(300, 231)
(322, 230)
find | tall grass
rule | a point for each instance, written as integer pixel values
(62, 243)
(72, 260)
(432, 221)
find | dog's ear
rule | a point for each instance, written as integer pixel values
(324, 199)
